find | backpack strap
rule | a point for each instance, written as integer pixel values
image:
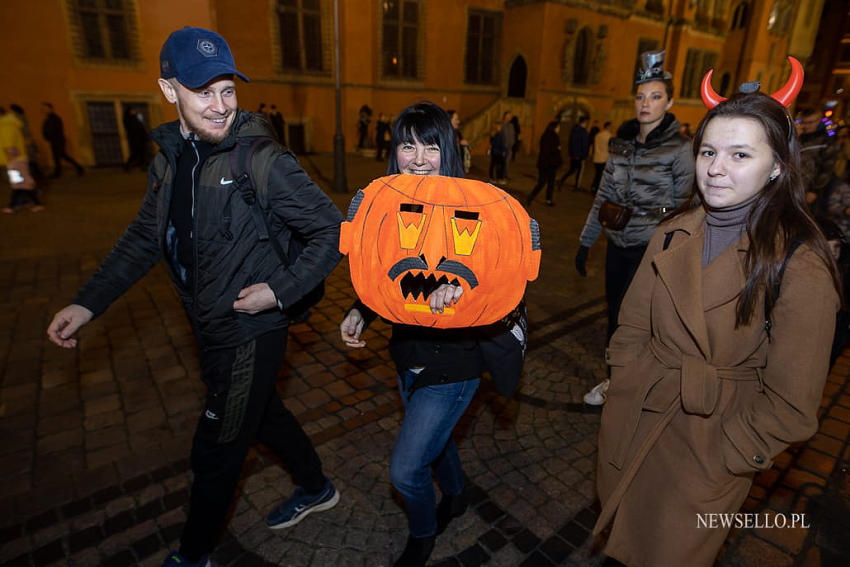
(769, 302)
(253, 188)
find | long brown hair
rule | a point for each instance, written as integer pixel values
(779, 215)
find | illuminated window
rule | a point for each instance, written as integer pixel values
(582, 56)
(483, 35)
(697, 62)
(104, 30)
(400, 42)
(300, 25)
(739, 16)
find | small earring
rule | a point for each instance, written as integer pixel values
(773, 177)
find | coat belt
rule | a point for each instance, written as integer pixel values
(700, 381)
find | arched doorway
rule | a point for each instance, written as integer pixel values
(517, 78)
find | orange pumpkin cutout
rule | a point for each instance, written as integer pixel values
(407, 234)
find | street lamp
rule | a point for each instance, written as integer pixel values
(340, 185)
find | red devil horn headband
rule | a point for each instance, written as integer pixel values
(784, 96)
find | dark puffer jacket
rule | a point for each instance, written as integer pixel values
(229, 256)
(650, 178)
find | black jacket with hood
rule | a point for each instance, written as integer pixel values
(228, 253)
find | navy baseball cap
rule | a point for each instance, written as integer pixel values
(195, 56)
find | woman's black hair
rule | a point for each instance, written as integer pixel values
(428, 123)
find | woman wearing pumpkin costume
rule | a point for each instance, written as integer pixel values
(649, 173)
(438, 369)
(722, 349)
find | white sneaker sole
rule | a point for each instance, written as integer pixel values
(297, 518)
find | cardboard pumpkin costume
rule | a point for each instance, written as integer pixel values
(407, 234)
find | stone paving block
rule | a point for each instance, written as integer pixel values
(100, 405)
(828, 445)
(105, 437)
(320, 379)
(788, 539)
(99, 390)
(314, 398)
(90, 481)
(816, 462)
(149, 418)
(796, 479)
(754, 552)
(106, 455)
(22, 372)
(835, 428)
(60, 441)
(840, 413)
(103, 420)
(58, 377)
(102, 375)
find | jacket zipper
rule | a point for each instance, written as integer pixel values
(194, 234)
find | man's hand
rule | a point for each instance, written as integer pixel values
(350, 329)
(65, 323)
(444, 296)
(255, 298)
(581, 260)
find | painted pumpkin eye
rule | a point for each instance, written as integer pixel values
(411, 220)
(465, 228)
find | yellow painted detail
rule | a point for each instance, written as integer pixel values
(465, 236)
(408, 231)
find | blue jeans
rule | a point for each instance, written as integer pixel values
(424, 440)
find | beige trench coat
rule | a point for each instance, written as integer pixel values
(695, 406)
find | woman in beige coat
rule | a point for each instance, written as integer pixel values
(708, 381)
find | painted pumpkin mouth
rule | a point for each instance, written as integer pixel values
(420, 285)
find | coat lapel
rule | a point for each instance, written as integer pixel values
(680, 269)
(729, 269)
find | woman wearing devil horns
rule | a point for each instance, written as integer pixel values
(438, 369)
(722, 350)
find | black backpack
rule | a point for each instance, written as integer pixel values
(252, 182)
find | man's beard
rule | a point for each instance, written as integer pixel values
(203, 135)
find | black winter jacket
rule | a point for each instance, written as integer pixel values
(228, 254)
(550, 150)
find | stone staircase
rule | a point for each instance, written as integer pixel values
(476, 129)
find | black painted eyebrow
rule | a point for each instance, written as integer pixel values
(469, 215)
(411, 208)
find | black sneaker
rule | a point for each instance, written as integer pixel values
(300, 504)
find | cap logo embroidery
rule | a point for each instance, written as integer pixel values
(207, 48)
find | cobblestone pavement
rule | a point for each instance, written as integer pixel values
(94, 441)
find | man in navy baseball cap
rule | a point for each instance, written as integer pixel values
(239, 292)
(197, 69)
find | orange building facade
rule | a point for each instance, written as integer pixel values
(538, 59)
